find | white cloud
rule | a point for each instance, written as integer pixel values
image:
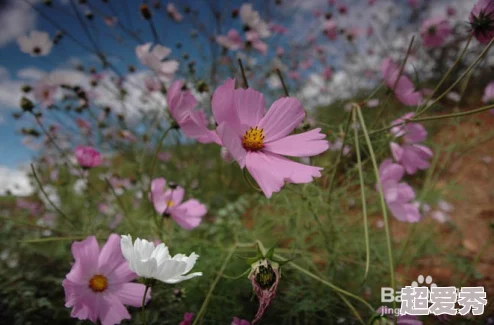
(14, 180)
(10, 93)
(4, 74)
(15, 20)
(31, 73)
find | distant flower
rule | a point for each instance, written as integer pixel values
(253, 21)
(327, 73)
(84, 126)
(110, 21)
(231, 41)
(450, 11)
(98, 285)
(238, 321)
(371, 103)
(153, 262)
(44, 93)
(330, 29)
(193, 124)
(34, 208)
(403, 88)
(258, 139)
(398, 195)
(482, 20)
(435, 31)
(154, 59)
(173, 12)
(489, 94)
(411, 132)
(88, 157)
(168, 201)
(164, 156)
(188, 318)
(36, 43)
(414, 4)
(254, 40)
(413, 157)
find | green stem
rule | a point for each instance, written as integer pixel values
(213, 286)
(143, 311)
(383, 203)
(364, 203)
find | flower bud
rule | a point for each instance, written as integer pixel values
(145, 12)
(26, 104)
(26, 88)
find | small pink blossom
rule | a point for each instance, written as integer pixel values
(193, 123)
(410, 132)
(98, 285)
(173, 12)
(327, 73)
(255, 40)
(413, 157)
(231, 41)
(489, 93)
(435, 31)
(330, 29)
(238, 321)
(154, 59)
(403, 88)
(44, 93)
(450, 11)
(168, 201)
(188, 319)
(258, 139)
(87, 156)
(164, 156)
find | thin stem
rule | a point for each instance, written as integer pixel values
(383, 203)
(364, 203)
(244, 78)
(64, 216)
(156, 151)
(285, 89)
(213, 286)
(143, 310)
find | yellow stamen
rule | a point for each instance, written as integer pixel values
(253, 139)
(170, 203)
(98, 283)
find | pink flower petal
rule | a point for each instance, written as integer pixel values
(305, 144)
(282, 118)
(86, 254)
(111, 255)
(131, 294)
(189, 214)
(250, 106)
(232, 143)
(112, 311)
(223, 104)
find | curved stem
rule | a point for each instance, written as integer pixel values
(143, 311)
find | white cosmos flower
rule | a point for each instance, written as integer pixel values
(36, 43)
(155, 60)
(251, 18)
(149, 261)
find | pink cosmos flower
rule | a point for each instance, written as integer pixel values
(84, 126)
(153, 59)
(252, 19)
(173, 12)
(238, 321)
(34, 208)
(87, 156)
(482, 20)
(330, 29)
(404, 88)
(489, 93)
(44, 93)
(188, 319)
(255, 40)
(164, 156)
(194, 124)
(414, 4)
(231, 41)
(410, 132)
(98, 285)
(435, 31)
(413, 157)
(168, 201)
(258, 139)
(398, 195)
(450, 11)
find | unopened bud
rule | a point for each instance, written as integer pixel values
(172, 185)
(26, 88)
(26, 104)
(145, 12)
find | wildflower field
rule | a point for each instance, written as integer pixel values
(283, 162)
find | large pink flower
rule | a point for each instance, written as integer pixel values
(193, 123)
(404, 89)
(87, 156)
(482, 20)
(435, 31)
(98, 285)
(168, 201)
(257, 139)
(413, 157)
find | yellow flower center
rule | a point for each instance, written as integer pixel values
(253, 139)
(98, 283)
(169, 203)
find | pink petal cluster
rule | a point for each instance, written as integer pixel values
(411, 154)
(489, 95)
(168, 201)
(173, 12)
(98, 285)
(87, 156)
(194, 124)
(188, 319)
(403, 88)
(232, 40)
(238, 321)
(154, 59)
(258, 139)
(435, 31)
(399, 196)
(254, 39)
(482, 20)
